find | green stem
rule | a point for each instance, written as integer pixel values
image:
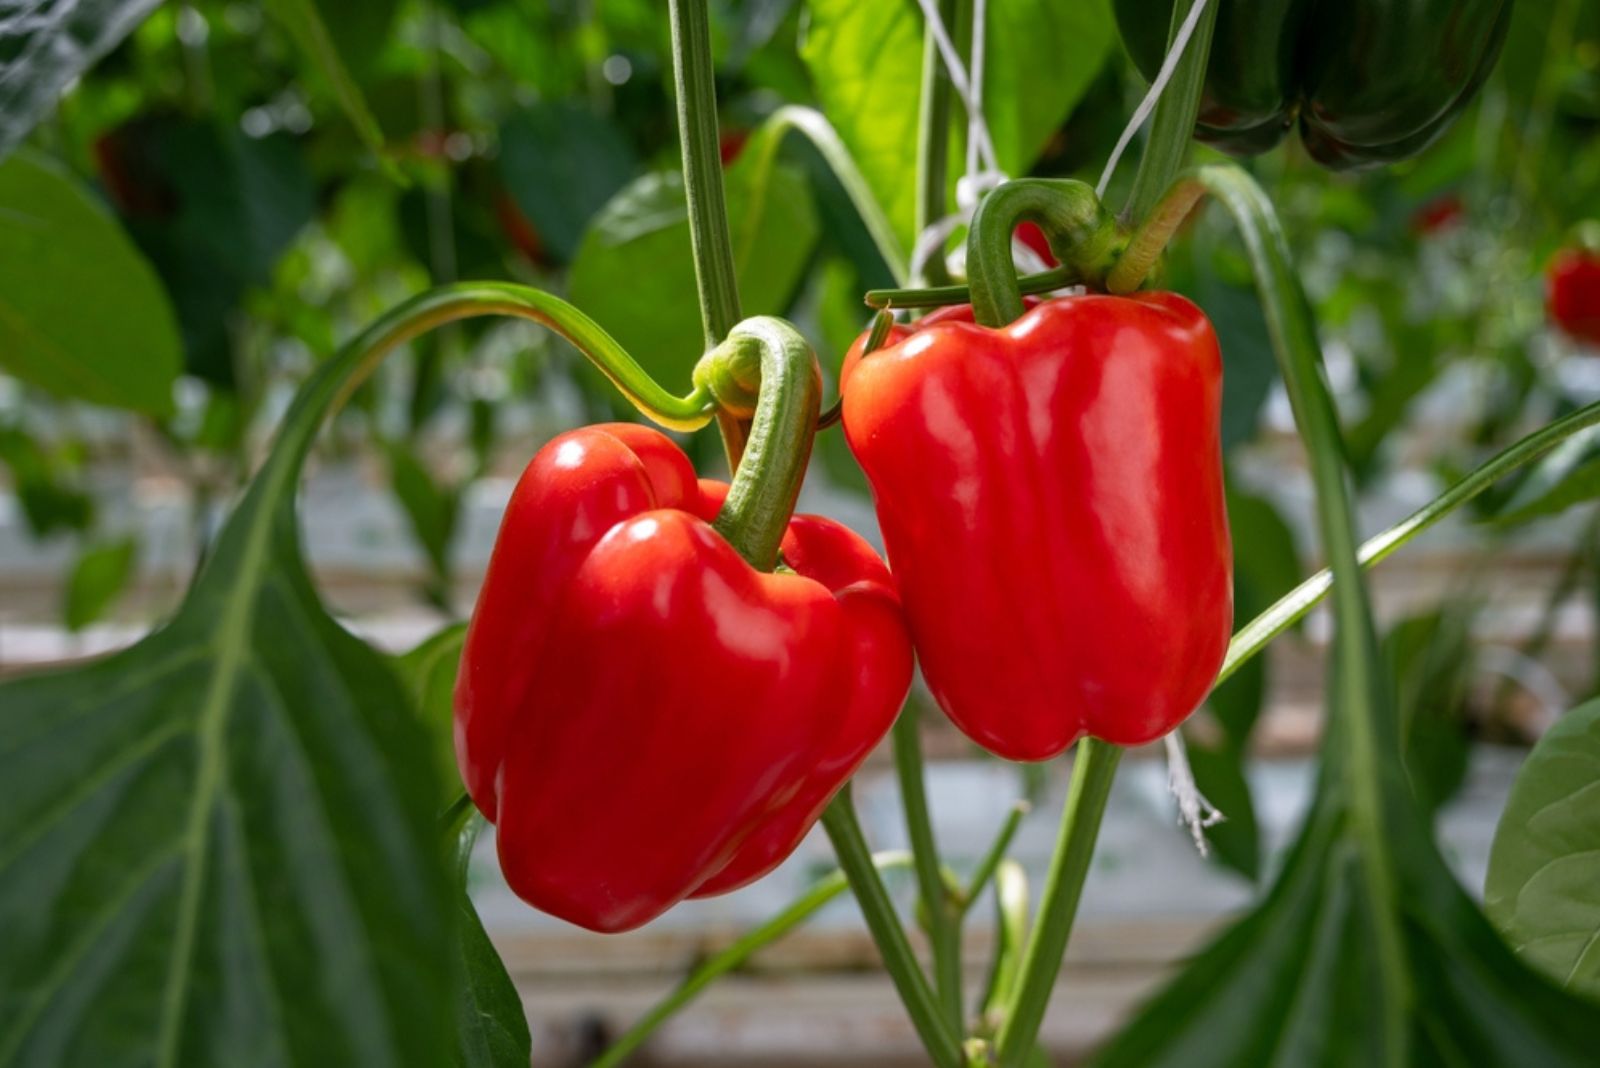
(943, 916)
(944, 296)
(1093, 768)
(933, 145)
(764, 369)
(734, 956)
(1293, 606)
(839, 820)
(997, 852)
(694, 77)
(1363, 732)
(1172, 125)
(1082, 237)
(467, 300)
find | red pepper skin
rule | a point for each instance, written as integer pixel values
(1051, 498)
(1572, 293)
(642, 714)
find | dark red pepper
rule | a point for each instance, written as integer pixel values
(1051, 498)
(642, 714)
(1572, 293)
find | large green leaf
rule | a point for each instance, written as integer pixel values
(562, 162)
(866, 64)
(634, 272)
(490, 1022)
(81, 312)
(219, 844)
(1544, 867)
(48, 43)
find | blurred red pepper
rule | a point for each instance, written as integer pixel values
(642, 714)
(1438, 215)
(1051, 497)
(1572, 293)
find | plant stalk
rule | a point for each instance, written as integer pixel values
(1172, 125)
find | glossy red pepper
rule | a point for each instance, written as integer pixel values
(1572, 293)
(1051, 499)
(642, 714)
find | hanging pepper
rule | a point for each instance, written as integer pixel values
(1050, 492)
(642, 714)
(1369, 82)
(1572, 293)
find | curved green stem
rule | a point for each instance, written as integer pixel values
(944, 296)
(734, 956)
(943, 916)
(1363, 730)
(1093, 768)
(839, 820)
(1082, 236)
(765, 370)
(1293, 606)
(810, 123)
(1172, 125)
(467, 300)
(694, 77)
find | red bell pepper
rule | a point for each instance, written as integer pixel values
(642, 714)
(1051, 498)
(1572, 293)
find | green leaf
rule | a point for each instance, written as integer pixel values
(220, 843)
(1430, 659)
(490, 1021)
(306, 23)
(429, 674)
(432, 509)
(51, 499)
(214, 209)
(81, 312)
(562, 162)
(1568, 476)
(866, 65)
(1544, 865)
(97, 579)
(46, 44)
(634, 272)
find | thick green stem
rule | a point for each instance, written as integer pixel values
(1293, 606)
(1363, 732)
(1172, 125)
(734, 956)
(938, 905)
(933, 145)
(764, 371)
(467, 300)
(1082, 236)
(942, 1043)
(1093, 767)
(695, 79)
(944, 296)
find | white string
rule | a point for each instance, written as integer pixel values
(1194, 811)
(1157, 87)
(958, 76)
(977, 127)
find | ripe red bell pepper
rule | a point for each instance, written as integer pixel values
(642, 714)
(1051, 498)
(1572, 293)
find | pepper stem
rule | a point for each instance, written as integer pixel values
(1082, 235)
(764, 372)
